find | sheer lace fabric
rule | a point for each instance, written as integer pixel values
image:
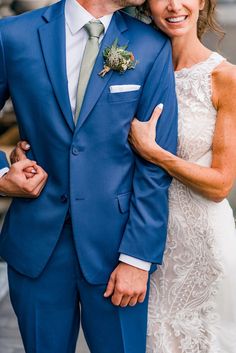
(192, 305)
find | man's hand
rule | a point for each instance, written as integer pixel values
(16, 184)
(127, 285)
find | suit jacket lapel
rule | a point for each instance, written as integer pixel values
(96, 83)
(52, 37)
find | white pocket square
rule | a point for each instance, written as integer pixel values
(124, 88)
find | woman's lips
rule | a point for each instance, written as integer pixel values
(176, 19)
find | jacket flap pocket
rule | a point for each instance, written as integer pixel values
(124, 202)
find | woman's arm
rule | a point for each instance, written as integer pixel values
(215, 182)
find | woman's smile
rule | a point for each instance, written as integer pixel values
(176, 19)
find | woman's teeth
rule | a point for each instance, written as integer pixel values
(176, 19)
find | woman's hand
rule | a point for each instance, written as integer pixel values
(19, 154)
(142, 136)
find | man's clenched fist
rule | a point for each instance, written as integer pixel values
(16, 184)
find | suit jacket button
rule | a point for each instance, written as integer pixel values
(64, 198)
(75, 151)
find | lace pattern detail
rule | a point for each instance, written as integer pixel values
(182, 314)
(197, 115)
(182, 307)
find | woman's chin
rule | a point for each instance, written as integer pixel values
(175, 32)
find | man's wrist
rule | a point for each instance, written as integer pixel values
(133, 261)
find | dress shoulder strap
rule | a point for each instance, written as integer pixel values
(213, 61)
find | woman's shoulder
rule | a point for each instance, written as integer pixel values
(225, 74)
(224, 82)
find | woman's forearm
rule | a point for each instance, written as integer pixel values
(209, 182)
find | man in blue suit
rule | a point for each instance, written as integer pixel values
(90, 225)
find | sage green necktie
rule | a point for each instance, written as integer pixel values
(94, 30)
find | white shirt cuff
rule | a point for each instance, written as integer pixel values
(133, 261)
(3, 171)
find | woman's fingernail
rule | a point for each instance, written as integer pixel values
(33, 171)
(27, 146)
(160, 106)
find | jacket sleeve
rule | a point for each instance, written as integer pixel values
(3, 163)
(145, 233)
(4, 95)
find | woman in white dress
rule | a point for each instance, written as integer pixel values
(192, 307)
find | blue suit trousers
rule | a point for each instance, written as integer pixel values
(51, 307)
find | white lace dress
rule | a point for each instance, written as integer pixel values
(192, 306)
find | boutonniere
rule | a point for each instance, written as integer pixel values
(118, 59)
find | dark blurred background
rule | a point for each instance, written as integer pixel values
(9, 337)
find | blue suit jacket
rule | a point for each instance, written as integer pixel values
(118, 202)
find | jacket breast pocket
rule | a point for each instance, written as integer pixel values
(122, 97)
(124, 201)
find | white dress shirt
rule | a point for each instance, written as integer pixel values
(76, 38)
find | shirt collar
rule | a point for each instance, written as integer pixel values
(76, 16)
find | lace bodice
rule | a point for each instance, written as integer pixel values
(183, 309)
(197, 116)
